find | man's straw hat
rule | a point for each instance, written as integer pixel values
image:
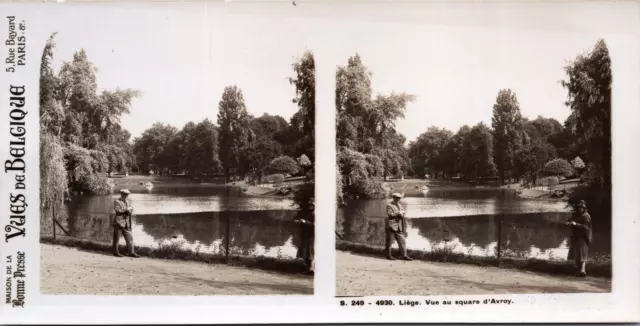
(396, 195)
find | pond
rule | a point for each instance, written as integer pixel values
(466, 221)
(193, 217)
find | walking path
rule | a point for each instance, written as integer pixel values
(65, 270)
(365, 275)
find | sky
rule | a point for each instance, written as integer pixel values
(181, 56)
(456, 72)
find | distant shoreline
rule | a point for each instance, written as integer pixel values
(414, 185)
(137, 183)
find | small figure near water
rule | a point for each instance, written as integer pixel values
(581, 237)
(396, 227)
(122, 223)
(306, 218)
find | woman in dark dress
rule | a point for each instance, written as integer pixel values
(581, 237)
(306, 220)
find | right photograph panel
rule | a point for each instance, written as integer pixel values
(473, 161)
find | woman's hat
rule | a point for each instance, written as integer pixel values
(396, 195)
(125, 191)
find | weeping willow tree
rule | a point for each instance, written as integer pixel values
(53, 174)
(81, 139)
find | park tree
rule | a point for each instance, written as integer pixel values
(359, 172)
(453, 150)
(477, 151)
(530, 160)
(151, 147)
(177, 152)
(589, 98)
(202, 152)
(508, 131)
(80, 128)
(267, 125)
(428, 153)
(77, 92)
(394, 155)
(542, 128)
(235, 133)
(588, 84)
(302, 126)
(305, 83)
(379, 135)
(260, 154)
(92, 119)
(353, 96)
(365, 130)
(86, 169)
(118, 149)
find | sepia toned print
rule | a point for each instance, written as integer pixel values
(489, 176)
(161, 176)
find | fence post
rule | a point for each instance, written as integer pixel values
(53, 221)
(227, 236)
(499, 238)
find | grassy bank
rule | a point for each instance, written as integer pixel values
(174, 252)
(545, 193)
(601, 268)
(262, 191)
(545, 190)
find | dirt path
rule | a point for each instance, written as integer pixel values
(67, 270)
(364, 275)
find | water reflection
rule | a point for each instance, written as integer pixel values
(197, 219)
(467, 223)
(171, 203)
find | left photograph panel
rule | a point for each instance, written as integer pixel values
(177, 153)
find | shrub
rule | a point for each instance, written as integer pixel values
(304, 161)
(283, 164)
(577, 163)
(558, 167)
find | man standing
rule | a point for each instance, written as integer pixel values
(122, 223)
(396, 227)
